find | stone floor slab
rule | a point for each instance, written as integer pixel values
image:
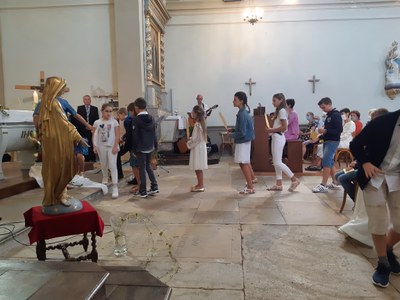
(197, 294)
(309, 213)
(201, 275)
(307, 262)
(219, 202)
(256, 203)
(261, 216)
(216, 217)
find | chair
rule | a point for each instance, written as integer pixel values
(345, 154)
(226, 141)
(345, 196)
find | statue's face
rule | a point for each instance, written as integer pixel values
(87, 100)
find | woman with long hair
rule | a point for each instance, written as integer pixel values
(198, 150)
(280, 124)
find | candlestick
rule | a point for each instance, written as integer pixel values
(266, 121)
(223, 120)
(35, 99)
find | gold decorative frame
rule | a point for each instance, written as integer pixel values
(156, 18)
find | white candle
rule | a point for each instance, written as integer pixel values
(35, 97)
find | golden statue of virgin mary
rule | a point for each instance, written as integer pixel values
(58, 137)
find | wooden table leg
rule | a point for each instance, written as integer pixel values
(85, 242)
(41, 250)
(94, 255)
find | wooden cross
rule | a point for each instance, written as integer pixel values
(38, 88)
(314, 80)
(250, 83)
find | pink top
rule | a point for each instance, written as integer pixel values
(293, 127)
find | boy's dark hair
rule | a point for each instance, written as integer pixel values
(290, 102)
(140, 103)
(356, 112)
(325, 101)
(345, 110)
(131, 106)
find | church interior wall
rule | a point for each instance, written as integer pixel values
(215, 54)
(71, 39)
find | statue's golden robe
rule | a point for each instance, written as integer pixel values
(58, 137)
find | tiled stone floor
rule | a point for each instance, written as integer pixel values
(270, 245)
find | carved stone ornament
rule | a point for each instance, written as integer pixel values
(392, 82)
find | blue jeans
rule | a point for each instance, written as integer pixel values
(143, 160)
(329, 148)
(347, 180)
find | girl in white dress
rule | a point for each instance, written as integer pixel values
(278, 142)
(106, 145)
(198, 150)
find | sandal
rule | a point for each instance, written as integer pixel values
(194, 189)
(276, 188)
(294, 185)
(254, 181)
(247, 191)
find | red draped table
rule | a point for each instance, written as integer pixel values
(46, 227)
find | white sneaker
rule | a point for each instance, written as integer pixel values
(114, 192)
(105, 180)
(333, 186)
(320, 188)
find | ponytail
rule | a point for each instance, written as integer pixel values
(243, 97)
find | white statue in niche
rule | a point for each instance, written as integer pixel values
(392, 86)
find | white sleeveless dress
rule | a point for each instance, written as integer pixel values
(198, 149)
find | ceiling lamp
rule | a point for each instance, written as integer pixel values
(252, 14)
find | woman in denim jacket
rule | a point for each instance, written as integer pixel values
(243, 134)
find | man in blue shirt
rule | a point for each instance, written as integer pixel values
(69, 111)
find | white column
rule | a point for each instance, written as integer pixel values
(2, 97)
(129, 50)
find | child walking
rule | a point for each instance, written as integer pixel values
(278, 142)
(143, 144)
(198, 150)
(243, 134)
(128, 145)
(106, 145)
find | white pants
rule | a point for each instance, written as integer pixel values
(377, 203)
(278, 142)
(108, 161)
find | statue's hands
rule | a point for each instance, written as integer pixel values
(84, 143)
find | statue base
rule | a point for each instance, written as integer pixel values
(59, 209)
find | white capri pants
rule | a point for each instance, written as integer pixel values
(277, 145)
(377, 202)
(108, 161)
